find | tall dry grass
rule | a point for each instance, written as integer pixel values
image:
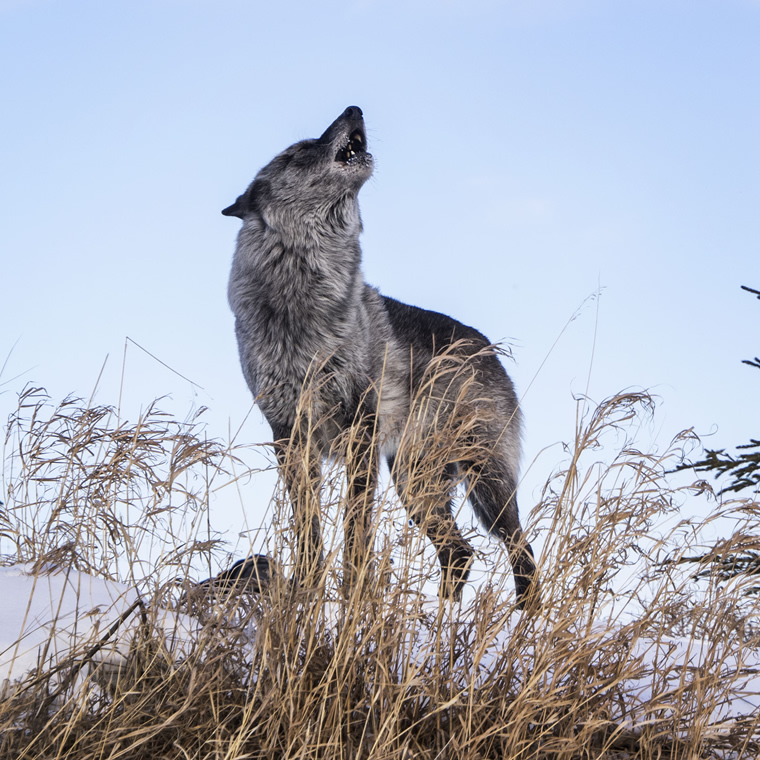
(309, 671)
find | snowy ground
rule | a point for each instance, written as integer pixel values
(45, 617)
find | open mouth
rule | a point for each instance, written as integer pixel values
(354, 149)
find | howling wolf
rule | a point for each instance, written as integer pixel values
(326, 356)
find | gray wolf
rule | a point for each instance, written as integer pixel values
(305, 316)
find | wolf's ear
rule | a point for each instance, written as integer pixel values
(238, 208)
(248, 201)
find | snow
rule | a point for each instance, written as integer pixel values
(48, 615)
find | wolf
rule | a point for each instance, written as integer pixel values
(305, 317)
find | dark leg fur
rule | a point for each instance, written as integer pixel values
(303, 485)
(361, 478)
(428, 503)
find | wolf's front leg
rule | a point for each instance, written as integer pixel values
(300, 468)
(361, 482)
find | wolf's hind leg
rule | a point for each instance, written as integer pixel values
(427, 498)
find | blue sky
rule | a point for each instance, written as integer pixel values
(529, 156)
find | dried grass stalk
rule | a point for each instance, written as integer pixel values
(284, 670)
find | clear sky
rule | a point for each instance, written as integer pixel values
(528, 156)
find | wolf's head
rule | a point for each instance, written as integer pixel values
(313, 180)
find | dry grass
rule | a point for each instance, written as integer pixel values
(311, 672)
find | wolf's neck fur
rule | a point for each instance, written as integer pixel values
(318, 255)
(313, 265)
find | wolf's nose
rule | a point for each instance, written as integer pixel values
(353, 112)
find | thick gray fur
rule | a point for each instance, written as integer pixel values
(303, 313)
